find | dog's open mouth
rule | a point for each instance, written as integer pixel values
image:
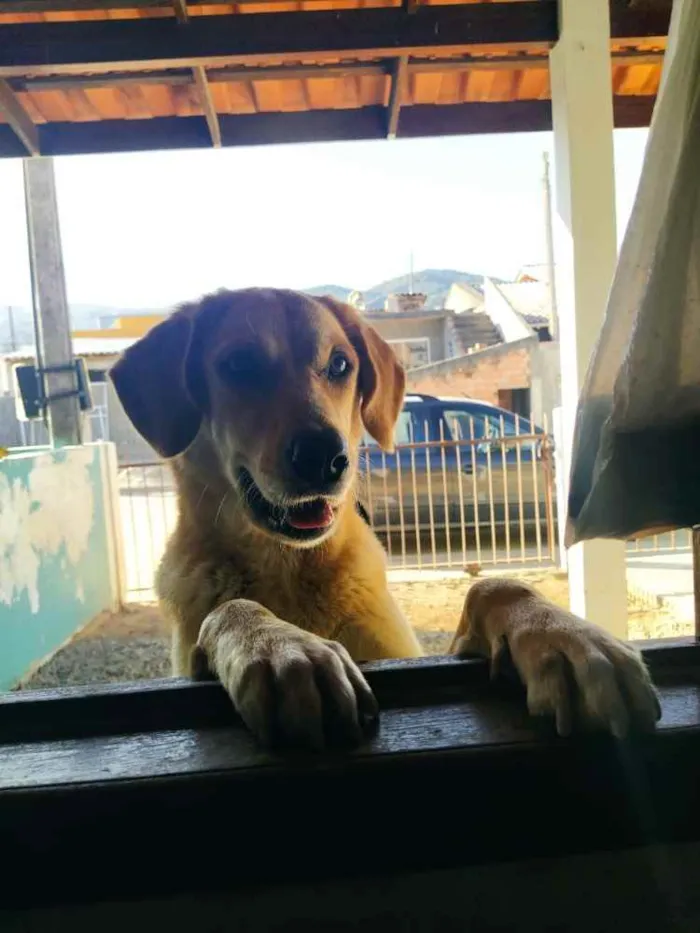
(305, 521)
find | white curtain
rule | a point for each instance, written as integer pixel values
(636, 457)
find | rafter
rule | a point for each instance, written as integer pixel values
(399, 83)
(18, 119)
(207, 101)
(180, 10)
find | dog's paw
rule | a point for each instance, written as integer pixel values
(301, 690)
(581, 676)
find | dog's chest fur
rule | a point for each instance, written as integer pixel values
(303, 588)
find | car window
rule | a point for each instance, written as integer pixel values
(464, 425)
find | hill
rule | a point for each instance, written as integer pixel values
(435, 283)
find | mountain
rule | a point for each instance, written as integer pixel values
(340, 292)
(435, 283)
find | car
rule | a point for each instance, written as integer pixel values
(458, 461)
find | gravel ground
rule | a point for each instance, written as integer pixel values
(135, 644)
(114, 660)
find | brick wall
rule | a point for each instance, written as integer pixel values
(479, 375)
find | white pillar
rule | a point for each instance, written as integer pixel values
(586, 241)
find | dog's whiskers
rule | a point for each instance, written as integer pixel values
(221, 506)
(201, 498)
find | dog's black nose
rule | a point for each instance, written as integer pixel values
(318, 457)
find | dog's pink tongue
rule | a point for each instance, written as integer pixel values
(311, 515)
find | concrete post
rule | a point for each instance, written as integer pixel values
(51, 317)
(586, 241)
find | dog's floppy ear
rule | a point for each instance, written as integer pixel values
(382, 378)
(151, 382)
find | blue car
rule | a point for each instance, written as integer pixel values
(457, 461)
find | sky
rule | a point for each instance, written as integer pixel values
(150, 230)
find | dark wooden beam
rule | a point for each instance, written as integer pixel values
(399, 82)
(310, 72)
(310, 126)
(18, 119)
(93, 777)
(641, 22)
(214, 41)
(207, 102)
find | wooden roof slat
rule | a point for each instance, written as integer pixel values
(509, 62)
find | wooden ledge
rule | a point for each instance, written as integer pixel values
(112, 790)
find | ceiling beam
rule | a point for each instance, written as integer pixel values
(214, 41)
(399, 80)
(304, 72)
(207, 102)
(211, 41)
(310, 126)
(18, 119)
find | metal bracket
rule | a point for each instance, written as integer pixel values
(31, 387)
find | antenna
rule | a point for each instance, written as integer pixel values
(410, 273)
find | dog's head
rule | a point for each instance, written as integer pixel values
(274, 387)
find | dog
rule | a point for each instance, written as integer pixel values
(272, 579)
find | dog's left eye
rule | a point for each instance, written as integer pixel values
(338, 366)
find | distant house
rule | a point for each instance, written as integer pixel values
(421, 336)
(503, 352)
(100, 348)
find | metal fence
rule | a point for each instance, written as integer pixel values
(439, 505)
(457, 504)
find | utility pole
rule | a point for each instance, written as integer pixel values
(11, 324)
(54, 351)
(549, 234)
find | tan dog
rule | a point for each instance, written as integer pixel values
(259, 397)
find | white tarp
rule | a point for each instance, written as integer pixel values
(637, 439)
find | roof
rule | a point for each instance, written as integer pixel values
(82, 346)
(116, 75)
(537, 272)
(531, 300)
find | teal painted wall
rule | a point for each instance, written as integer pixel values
(56, 554)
